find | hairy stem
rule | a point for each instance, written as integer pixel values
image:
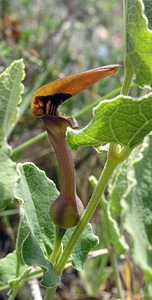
(50, 293)
(112, 254)
(127, 77)
(127, 63)
(116, 273)
(14, 293)
(58, 244)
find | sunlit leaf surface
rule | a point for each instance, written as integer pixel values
(122, 120)
(139, 40)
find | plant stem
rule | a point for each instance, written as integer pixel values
(50, 293)
(9, 212)
(92, 205)
(39, 273)
(111, 251)
(56, 252)
(116, 273)
(127, 63)
(13, 294)
(110, 247)
(127, 77)
(58, 244)
(100, 275)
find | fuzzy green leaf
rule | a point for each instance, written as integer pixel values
(8, 269)
(123, 120)
(139, 42)
(8, 176)
(111, 232)
(137, 203)
(22, 234)
(84, 245)
(37, 258)
(109, 226)
(10, 91)
(35, 193)
(121, 181)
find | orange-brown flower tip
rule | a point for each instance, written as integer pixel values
(47, 98)
(112, 68)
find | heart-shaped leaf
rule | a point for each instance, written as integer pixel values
(122, 120)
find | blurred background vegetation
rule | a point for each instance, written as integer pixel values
(56, 39)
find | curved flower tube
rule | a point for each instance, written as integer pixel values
(67, 209)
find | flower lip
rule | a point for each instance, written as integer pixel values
(48, 105)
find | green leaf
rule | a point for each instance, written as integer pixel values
(8, 176)
(111, 232)
(34, 256)
(120, 182)
(84, 245)
(10, 91)
(123, 120)
(8, 269)
(139, 41)
(35, 193)
(137, 203)
(148, 11)
(117, 187)
(22, 234)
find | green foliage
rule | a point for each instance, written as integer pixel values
(130, 197)
(8, 269)
(84, 245)
(111, 232)
(8, 176)
(138, 41)
(35, 193)
(122, 120)
(10, 91)
(121, 182)
(138, 208)
(34, 256)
